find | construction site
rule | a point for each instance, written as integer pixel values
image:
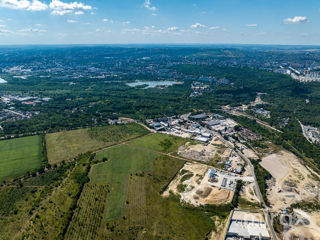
(199, 184)
(195, 184)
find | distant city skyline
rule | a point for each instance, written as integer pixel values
(285, 22)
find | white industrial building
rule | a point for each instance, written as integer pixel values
(246, 226)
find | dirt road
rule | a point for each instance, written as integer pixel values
(265, 124)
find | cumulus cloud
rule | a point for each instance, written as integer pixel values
(251, 25)
(34, 5)
(105, 20)
(61, 8)
(296, 20)
(197, 25)
(148, 5)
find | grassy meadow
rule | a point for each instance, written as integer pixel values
(68, 144)
(19, 155)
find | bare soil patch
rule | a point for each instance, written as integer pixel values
(199, 152)
(292, 181)
(276, 164)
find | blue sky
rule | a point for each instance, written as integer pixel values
(160, 21)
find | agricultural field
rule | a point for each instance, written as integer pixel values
(116, 195)
(68, 144)
(159, 142)
(150, 216)
(122, 161)
(19, 155)
(86, 220)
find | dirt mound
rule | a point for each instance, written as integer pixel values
(204, 193)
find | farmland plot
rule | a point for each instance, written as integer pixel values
(19, 155)
(88, 215)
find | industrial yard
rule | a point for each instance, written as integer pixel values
(199, 184)
(247, 225)
(195, 184)
(215, 165)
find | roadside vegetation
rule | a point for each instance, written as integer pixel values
(262, 176)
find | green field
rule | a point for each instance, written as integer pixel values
(122, 161)
(159, 142)
(136, 175)
(20, 155)
(67, 145)
(148, 215)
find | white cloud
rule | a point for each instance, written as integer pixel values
(79, 13)
(71, 21)
(35, 30)
(197, 25)
(251, 25)
(296, 20)
(126, 23)
(5, 31)
(131, 30)
(172, 29)
(3, 26)
(148, 5)
(99, 30)
(105, 20)
(34, 5)
(61, 8)
(214, 28)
